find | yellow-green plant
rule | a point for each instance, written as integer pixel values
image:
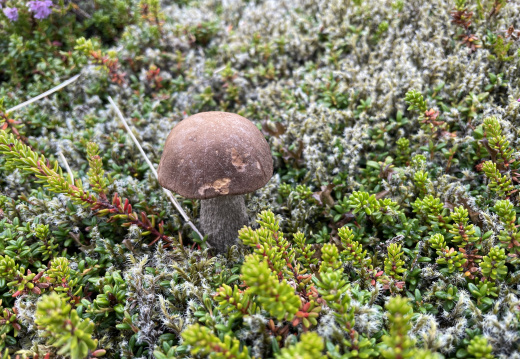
(493, 266)
(463, 233)
(449, 257)
(394, 263)
(65, 329)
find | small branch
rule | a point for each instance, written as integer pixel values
(45, 94)
(69, 171)
(152, 168)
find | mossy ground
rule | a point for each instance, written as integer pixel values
(394, 130)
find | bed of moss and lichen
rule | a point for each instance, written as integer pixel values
(389, 227)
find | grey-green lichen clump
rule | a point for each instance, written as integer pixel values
(389, 228)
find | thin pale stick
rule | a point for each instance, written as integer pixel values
(218, 70)
(67, 166)
(45, 94)
(152, 168)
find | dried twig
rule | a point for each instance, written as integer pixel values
(45, 94)
(152, 168)
(69, 171)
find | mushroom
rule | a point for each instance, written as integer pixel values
(216, 157)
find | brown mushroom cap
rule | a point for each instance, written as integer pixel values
(213, 154)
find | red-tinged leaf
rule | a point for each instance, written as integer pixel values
(161, 227)
(382, 194)
(144, 219)
(99, 352)
(36, 290)
(116, 201)
(38, 276)
(125, 208)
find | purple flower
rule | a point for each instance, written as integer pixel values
(11, 13)
(40, 8)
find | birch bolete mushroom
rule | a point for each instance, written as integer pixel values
(216, 157)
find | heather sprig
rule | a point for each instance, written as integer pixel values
(278, 298)
(63, 279)
(48, 248)
(310, 346)
(479, 348)
(65, 329)
(463, 233)
(432, 212)
(96, 177)
(498, 182)
(269, 242)
(493, 266)
(233, 299)
(416, 101)
(449, 257)
(334, 290)
(108, 306)
(265, 274)
(403, 150)
(353, 250)
(20, 156)
(509, 237)
(304, 250)
(397, 343)
(204, 342)
(394, 263)
(421, 180)
(501, 152)
(9, 326)
(329, 258)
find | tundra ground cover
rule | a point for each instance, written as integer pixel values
(389, 228)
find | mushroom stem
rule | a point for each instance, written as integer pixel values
(221, 218)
